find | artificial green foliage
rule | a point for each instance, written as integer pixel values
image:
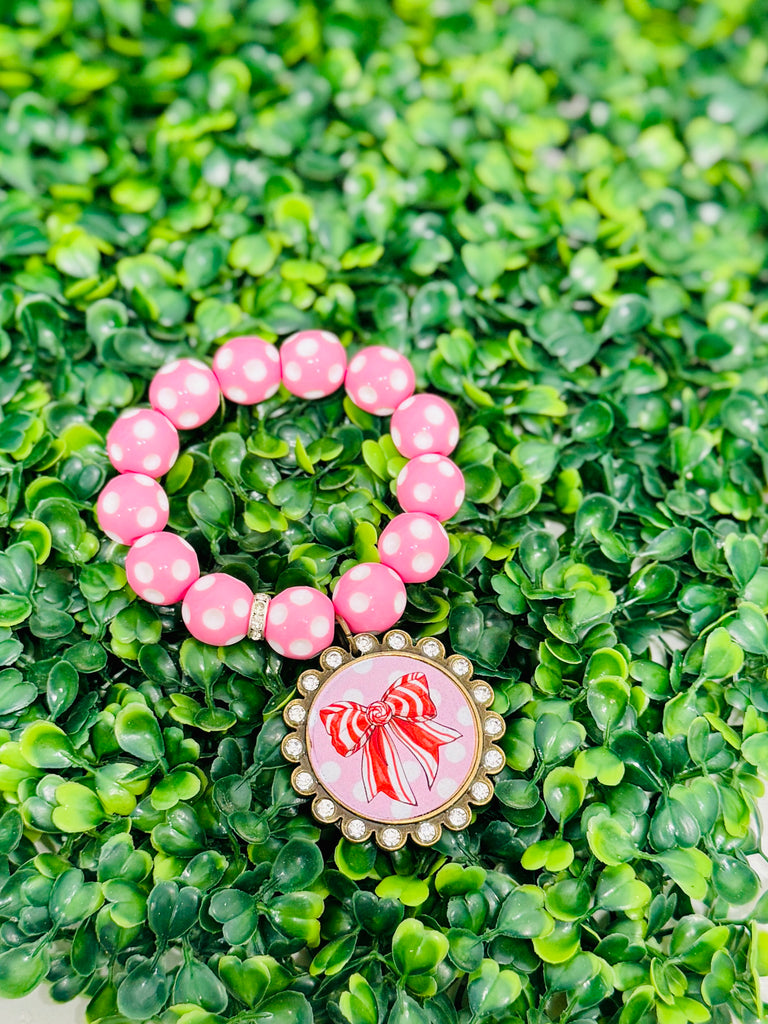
(557, 211)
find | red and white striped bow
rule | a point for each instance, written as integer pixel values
(405, 713)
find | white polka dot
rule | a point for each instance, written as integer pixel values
(162, 501)
(173, 458)
(423, 562)
(402, 476)
(233, 639)
(398, 379)
(358, 792)
(292, 371)
(302, 597)
(306, 348)
(181, 569)
(147, 517)
(153, 596)
(328, 336)
(213, 618)
(423, 440)
(116, 453)
(110, 503)
(236, 395)
(300, 648)
(204, 583)
(151, 462)
(358, 363)
(390, 355)
(241, 607)
(144, 429)
(435, 415)
(169, 367)
(398, 810)
(272, 390)
(391, 543)
(330, 771)
(397, 437)
(437, 698)
(255, 370)
(186, 614)
(362, 668)
(454, 752)
(143, 541)
(422, 492)
(458, 498)
(421, 528)
(167, 398)
(412, 770)
(315, 393)
(319, 626)
(430, 458)
(224, 358)
(446, 787)
(464, 715)
(367, 394)
(130, 413)
(446, 469)
(143, 572)
(359, 602)
(189, 419)
(407, 403)
(360, 572)
(453, 437)
(144, 481)
(336, 373)
(277, 647)
(272, 354)
(400, 602)
(197, 363)
(383, 410)
(278, 613)
(356, 696)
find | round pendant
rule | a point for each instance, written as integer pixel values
(395, 740)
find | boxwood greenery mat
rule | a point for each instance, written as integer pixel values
(557, 212)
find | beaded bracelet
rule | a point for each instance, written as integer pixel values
(393, 704)
(298, 623)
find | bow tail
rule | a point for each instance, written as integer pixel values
(424, 740)
(383, 769)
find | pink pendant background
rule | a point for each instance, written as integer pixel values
(365, 681)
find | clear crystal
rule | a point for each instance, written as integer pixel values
(296, 714)
(493, 726)
(480, 790)
(432, 649)
(304, 781)
(364, 643)
(390, 836)
(483, 693)
(356, 828)
(333, 660)
(493, 759)
(293, 747)
(458, 817)
(325, 809)
(310, 681)
(396, 641)
(460, 666)
(426, 832)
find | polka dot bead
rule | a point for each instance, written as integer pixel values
(424, 424)
(161, 567)
(186, 391)
(370, 597)
(142, 441)
(432, 484)
(217, 608)
(248, 370)
(312, 363)
(379, 380)
(300, 622)
(130, 506)
(415, 545)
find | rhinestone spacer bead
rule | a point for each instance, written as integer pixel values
(258, 619)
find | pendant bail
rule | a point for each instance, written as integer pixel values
(348, 635)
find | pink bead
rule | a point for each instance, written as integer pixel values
(247, 369)
(300, 622)
(186, 391)
(379, 379)
(217, 609)
(161, 567)
(423, 424)
(431, 484)
(415, 545)
(142, 441)
(130, 506)
(370, 597)
(312, 363)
